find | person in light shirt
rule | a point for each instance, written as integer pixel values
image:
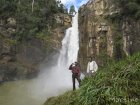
(92, 67)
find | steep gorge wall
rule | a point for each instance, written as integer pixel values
(104, 36)
(21, 59)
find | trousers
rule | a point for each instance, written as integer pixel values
(75, 76)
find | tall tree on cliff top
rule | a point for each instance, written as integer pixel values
(33, 6)
(72, 10)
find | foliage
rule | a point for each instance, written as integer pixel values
(42, 35)
(117, 84)
(104, 59)
(29, 22)
(129, 8)
(72, 10)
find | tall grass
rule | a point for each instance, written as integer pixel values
(117, 84)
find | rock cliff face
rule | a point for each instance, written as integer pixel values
(21, 59)
(103, 35)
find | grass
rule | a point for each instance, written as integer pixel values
(117, 84)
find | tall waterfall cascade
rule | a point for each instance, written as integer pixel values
(70, 45)
(57, 79)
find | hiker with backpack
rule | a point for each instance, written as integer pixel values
(75, 68)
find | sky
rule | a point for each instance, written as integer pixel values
(76, 3)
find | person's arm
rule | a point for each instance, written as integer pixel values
(70, 68)
(95, 66)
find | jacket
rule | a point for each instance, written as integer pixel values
(74, 69)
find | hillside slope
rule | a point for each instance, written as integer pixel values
(117, 84)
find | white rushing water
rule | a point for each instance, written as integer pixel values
(58, 79)
(70, 45)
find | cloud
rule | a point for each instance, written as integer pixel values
(67, 1)
(77, 3)
(82, 2)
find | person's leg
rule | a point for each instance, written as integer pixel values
(78, 79)
(90, 73)
(73, 80)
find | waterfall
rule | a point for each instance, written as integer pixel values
(54, 80)
(70, 45)
(57, 79)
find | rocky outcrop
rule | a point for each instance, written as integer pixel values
(103, 35)
(21, 59)
(131, 36)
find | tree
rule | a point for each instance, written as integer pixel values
(33, 6)
(72, 10)
(31, 16)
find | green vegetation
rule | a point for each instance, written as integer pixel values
(129, 8)
(31, 16)
(117, 84)
(72, 10)
(105, 60)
